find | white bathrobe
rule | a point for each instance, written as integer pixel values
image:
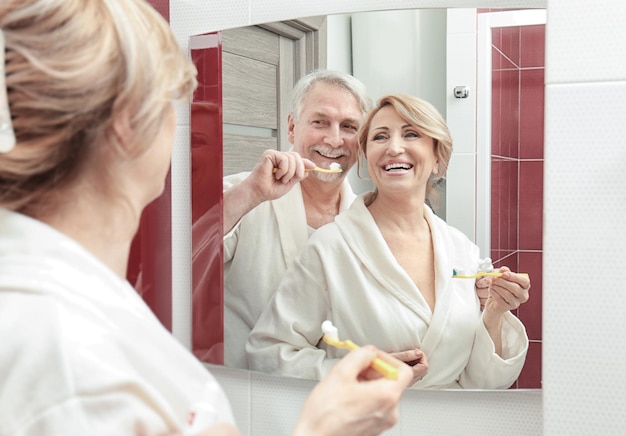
(81, 353)
(257, 252)
(347, 274)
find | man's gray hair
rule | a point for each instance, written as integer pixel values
(343, 80)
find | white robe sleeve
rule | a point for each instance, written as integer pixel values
(286, 337)
(486, 369)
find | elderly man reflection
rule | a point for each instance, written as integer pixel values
(382, 273)
(269, 215)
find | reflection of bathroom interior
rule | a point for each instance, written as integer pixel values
(517, 145)
(516, 198)
(517, 170)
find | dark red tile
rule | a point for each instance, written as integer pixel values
(509, 132)
(504, 205)
(533, 46)
(530, 377)
(150, 260)
(531, 205)
(496, 38)
(511, 204)
(510, 44)
(496, 113)
(206, 192)
(530, 313)
(162, 6)
(500, 62)
(532, 114)
(496, 187)
(510, 259)
(151, 257)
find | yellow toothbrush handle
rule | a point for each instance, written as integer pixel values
(318, 169)
(483, 274)
(387, 370)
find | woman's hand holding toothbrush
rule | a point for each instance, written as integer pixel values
(353, 398)
(505, 293)
(416, 359)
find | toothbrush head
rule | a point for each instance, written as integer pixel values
(485, 265)
(335, 167)
(331, 337)
(330, 331)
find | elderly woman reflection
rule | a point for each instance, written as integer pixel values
(383, 273)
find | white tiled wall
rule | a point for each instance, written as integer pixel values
(585, 188)
(461, 119)
(585, 237)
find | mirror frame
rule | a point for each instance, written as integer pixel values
(185, 335)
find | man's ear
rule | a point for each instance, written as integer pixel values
(290, 129)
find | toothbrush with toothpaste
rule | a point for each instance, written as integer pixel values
(331, 337)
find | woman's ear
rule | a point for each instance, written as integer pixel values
(436, 168)
(122, 130)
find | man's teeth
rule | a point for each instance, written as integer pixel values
(398, 166)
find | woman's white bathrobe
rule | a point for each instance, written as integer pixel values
(81, 353)
(347, 274)
(257, 252)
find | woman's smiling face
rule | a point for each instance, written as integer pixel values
(399, 157)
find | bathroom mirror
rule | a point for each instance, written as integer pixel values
(444, 52)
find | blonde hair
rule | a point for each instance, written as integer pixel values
(71, 67)
(427, 119)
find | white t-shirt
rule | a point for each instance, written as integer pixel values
(81, 352)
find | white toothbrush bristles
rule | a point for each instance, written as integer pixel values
(329, 330)
(334, 166)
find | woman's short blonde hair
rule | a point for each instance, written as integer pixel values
(71, 67)
(424, 117)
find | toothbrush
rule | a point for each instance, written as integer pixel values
(334, 168)
(460, 275)
(331, 337)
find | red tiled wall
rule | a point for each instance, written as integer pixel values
(207, 201)
(517, 171)
(150, 261)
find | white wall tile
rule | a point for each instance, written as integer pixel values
(236, 385)
(273, 10)
(587, 41)
(466, 413)
(194, 17)
(462, 20)
(585, 205)
(181, 236)
(276, 403)
(461, 112)
(460, 199)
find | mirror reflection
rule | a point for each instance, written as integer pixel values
(250, 127)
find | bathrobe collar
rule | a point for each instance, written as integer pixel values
(367, 243)
(291, 218)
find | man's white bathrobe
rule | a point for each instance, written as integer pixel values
(347, 274)
(257, 252)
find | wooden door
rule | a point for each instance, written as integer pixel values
(260, 65)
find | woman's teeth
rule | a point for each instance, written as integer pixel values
(398, 166)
